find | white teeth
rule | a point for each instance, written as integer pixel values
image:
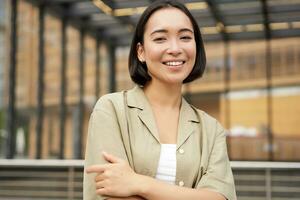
(174, 63)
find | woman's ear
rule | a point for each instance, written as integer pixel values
(140, 52)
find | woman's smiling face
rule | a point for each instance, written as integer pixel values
(169, 47)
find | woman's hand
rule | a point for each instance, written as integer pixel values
(115, 179)
(127, 198)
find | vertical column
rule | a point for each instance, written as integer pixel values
(63, 86)
(97, 75)
(268, 35)
(112, 68)
(269, 98)
(41, 65)
(11, 114)
(80, 107)
(226, 89)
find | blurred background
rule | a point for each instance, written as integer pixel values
(57, 57)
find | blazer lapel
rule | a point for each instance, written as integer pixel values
(148, 119)
(187, 118)
(137, 99)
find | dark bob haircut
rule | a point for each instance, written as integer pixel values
(138, 70)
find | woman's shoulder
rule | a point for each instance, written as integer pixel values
(109, 101)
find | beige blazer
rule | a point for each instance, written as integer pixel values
(202, 160)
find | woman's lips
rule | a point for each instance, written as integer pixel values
(174, 63)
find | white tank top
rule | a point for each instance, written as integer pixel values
(166, 170)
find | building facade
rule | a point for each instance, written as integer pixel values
(252, 87)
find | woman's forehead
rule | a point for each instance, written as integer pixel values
(168, 18)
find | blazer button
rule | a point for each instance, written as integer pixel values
(181, 151)
(181, 183)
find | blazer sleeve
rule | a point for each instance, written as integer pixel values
(218, 174)
(104, 134)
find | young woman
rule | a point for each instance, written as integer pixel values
(148, 142)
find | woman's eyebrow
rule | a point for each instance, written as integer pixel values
(186, 29)
(165, 31)
(159, 31)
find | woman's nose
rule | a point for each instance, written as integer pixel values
(174, 47)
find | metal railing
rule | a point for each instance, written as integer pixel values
(267, 180)
(62, 179)
(41, 179)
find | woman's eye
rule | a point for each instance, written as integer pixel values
(186, 38)
(159, 39)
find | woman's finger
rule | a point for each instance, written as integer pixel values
(101, 191)
(111, 158)
(96, 169)
(100, 184)
(100, 177)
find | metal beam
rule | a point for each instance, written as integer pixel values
(227, 77)
(80, 106)
(125, 20)
(41, 65)
(269, 99)
(11, 114)
(63, 108)
(63, 1)
(268, 36)
(97, 65)
(82, 9)
(265, 14)
(112, 67)
(219, 20)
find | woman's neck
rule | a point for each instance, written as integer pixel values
(163, 96)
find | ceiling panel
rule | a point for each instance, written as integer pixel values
(218, 19)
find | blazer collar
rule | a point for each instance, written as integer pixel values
(136, 98)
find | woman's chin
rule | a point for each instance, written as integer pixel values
(174, 81)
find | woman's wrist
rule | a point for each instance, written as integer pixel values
(140, 185)
(143, 185)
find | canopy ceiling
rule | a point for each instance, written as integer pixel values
(115, 20)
